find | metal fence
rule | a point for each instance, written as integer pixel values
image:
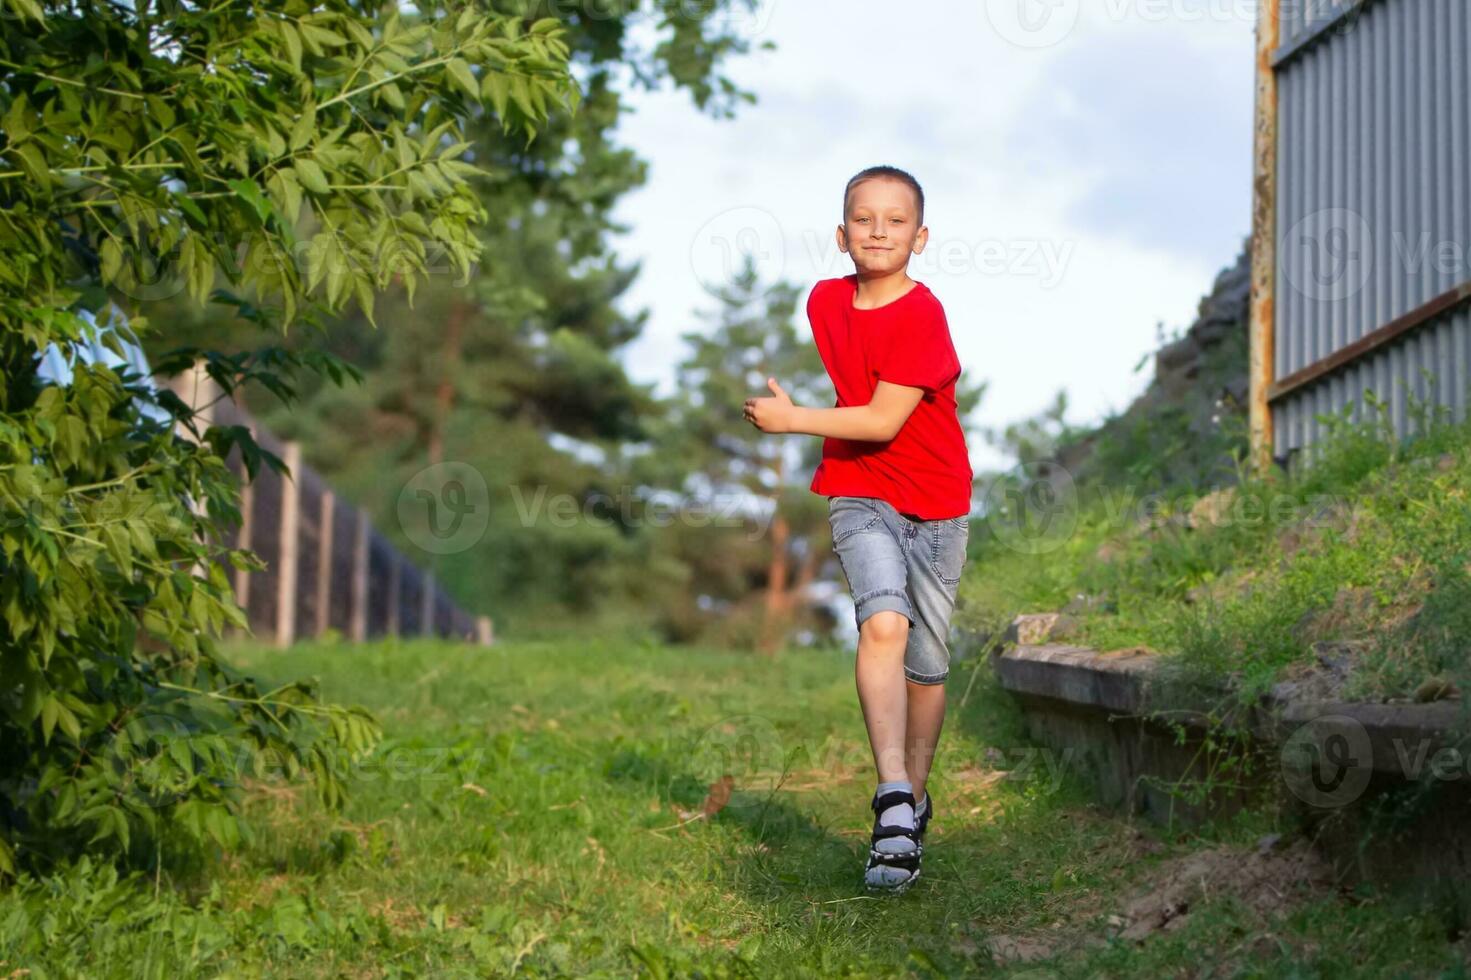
(327, 567)
(1362, 213)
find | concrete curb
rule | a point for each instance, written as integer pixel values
(1328, 766)
(1126, 683)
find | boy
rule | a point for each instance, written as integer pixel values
(898, 480)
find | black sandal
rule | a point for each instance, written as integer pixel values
(908, 860)
(922, 821)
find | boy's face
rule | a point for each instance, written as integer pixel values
(881, 228)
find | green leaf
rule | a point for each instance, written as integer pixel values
(292, 40)
(365, 295)
(50, 708)
(496, 87)
(112, 259)
(286, 190)
(68, 723)
(29, 8)
(249, 192)
(321, 37)
(186, 204)
(463, 77)
(305, 128)
(18, 120)
(34, 164)
(311, 176)
(389, 93)
(180, 752)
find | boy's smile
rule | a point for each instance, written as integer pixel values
(881, 228)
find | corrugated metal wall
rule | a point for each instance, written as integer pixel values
(1373, 202)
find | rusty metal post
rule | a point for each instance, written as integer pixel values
(1264, 234)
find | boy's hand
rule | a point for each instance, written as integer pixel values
(771, 414)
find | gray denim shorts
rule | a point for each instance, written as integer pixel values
(908, 566)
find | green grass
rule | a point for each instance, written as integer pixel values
(528, 814)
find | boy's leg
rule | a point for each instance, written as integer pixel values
(924, 716)
(874, 562)
(881, 691)
(936, 559)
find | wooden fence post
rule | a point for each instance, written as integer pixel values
(243, 542)
(327, 516)
(426, 605)
(197, 390)
(395, 586)
(359, 630)
(288, 546)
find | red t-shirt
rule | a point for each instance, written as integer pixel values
(925, 469)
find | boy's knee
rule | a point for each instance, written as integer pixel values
(885, 627)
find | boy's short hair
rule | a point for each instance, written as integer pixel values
(892, 173)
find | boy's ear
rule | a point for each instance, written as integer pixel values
(921, 239)
(842, 239)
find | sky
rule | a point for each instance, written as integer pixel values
(1086, 166)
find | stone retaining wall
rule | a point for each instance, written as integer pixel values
(1383, 790)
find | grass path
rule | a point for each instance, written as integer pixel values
(538, 809)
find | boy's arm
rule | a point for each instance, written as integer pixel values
(878, 421)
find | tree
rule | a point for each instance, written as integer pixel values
(754, 338)
(305, 152)
(501, 368)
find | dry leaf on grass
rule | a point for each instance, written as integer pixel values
(718, 796)
(715, 801)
